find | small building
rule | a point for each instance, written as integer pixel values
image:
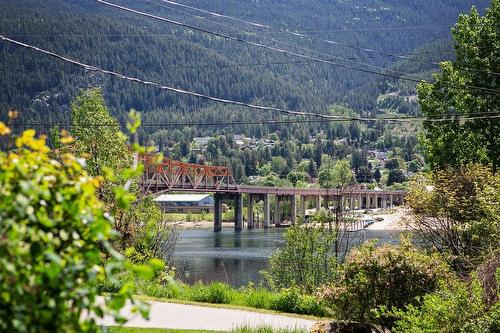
(186, 203)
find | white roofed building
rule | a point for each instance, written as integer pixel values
(185, 203)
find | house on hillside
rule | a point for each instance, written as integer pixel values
(185, 203)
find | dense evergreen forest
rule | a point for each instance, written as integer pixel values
(42, 88)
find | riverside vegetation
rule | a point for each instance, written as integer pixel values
(74, 225)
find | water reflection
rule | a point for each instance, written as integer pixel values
(235, 258)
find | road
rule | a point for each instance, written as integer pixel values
(180, 316)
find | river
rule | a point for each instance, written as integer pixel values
(236, 258)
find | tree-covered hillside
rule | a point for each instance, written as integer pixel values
(42, 87)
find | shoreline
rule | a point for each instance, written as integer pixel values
(390, 222)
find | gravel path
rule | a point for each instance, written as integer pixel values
(180, 316)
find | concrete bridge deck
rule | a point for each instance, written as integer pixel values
(170, 175)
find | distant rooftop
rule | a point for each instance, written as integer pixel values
(181, 197)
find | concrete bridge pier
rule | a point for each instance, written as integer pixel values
(391, 199)
(293, 217)
(250, 221)
(277, 212)
(267, 212)
(318, 203)
(238, 210)
(302, 207)
(217, 212)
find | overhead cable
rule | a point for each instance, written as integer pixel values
(211, 98)
(303, 35)
(282, 51)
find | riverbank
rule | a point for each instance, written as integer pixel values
(393, 221)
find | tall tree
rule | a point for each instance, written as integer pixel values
(456, 142)
(98, 136)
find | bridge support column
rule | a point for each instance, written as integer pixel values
(293, 218)
(351, 202)
(302, 208)
(250, 221)
(391, 204)
(360, 202)
(376, 200)
(318, 203)
(384, 201)
(277, 213)
(217, 212)
(368, 204)
(267, 212)
(238, 212)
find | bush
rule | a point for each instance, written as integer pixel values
(456, 210)
(217, 293)
(387, 276)
(287, 300)
(55, 235)
(306, 261)
(457, 307)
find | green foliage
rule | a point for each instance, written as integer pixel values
(336, 174)
(383, 277)
(55, 237)
(456, 307)
(97, 134)
(454, 142)
(297, 176)
(393, 163)
(278, 165)
(287, 300)
(396, 176)
(456, 210)
(306, 261)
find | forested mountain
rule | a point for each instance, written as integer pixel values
(42, 87)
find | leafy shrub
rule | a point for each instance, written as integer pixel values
(292, 301)
(454, 308)
(306, 261)
(386, 276)
(55, 235)
(217, 293)
(287, 300)
(258, 298)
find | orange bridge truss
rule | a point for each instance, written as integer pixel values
(174, 175)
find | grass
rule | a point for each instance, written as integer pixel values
(284, 301)
(244, 329)
(117, 329)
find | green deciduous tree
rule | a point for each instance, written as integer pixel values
(279, 165)
(457, 211)
(98, 136)
(336, 174)
(456, 142)
(306, 261)
(396, 176)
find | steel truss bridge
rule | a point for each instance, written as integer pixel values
(173, 176)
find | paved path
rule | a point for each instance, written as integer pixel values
(180, 316)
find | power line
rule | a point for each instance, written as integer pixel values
(167, 88)
(244, 41)
(479, 116)
(220, 100)
(273, 40)
(303, 35)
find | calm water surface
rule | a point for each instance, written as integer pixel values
(235, 258)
